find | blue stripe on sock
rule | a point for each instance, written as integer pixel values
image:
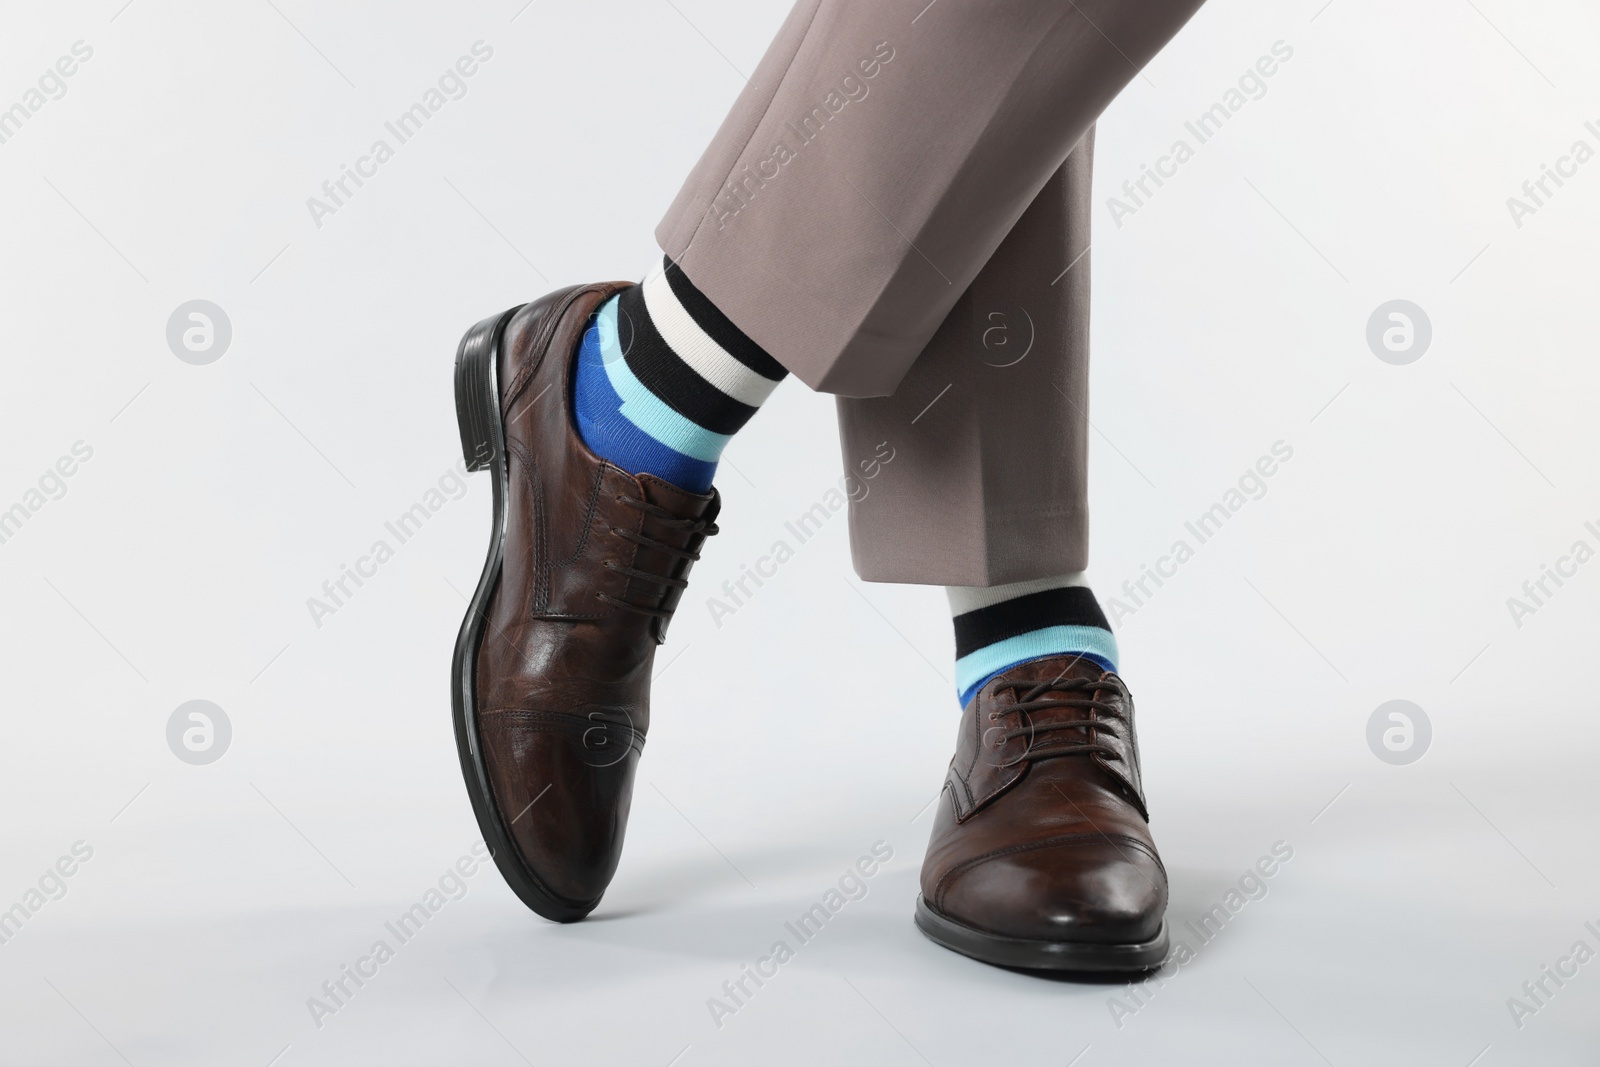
(974, 670)
(597, 411)
(644, 409)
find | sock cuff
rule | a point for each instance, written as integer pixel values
(664, 379)
(661, 369)
(717, 326)
(1001, 626)
(699, 352)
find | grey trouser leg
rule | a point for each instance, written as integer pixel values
(988, 429)
(845, 217)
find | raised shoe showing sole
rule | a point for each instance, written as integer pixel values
(483, 446)
(550, 678)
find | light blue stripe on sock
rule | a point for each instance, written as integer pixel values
(647, 411)
(597, 411)
(976, 667)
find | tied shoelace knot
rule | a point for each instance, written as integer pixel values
(1078, 694)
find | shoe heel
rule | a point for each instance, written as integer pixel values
(478, 390)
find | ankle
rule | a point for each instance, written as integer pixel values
(664, 380)
(999, 627)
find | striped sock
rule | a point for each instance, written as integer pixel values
(664, 380)
(998, 627)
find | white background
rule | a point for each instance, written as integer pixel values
(1230, 313)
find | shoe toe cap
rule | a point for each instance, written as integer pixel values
(1098, 892)
(565, 798)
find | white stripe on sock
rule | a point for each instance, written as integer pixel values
(965, 598)
(696, 348)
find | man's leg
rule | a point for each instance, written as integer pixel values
(880, 154)
(986, 493)
(855, 192)
(989, 428)
(1041, 853)
(956, 249)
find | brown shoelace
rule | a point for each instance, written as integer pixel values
(1034, 700)
(695, 527)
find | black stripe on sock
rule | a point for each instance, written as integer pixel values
(665, 374)
(1073, 605)
(719, 327)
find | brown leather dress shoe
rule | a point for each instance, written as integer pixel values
(1041, 855)
(551, 677)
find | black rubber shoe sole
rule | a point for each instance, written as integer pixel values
(483, 445)
(1080, 956)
